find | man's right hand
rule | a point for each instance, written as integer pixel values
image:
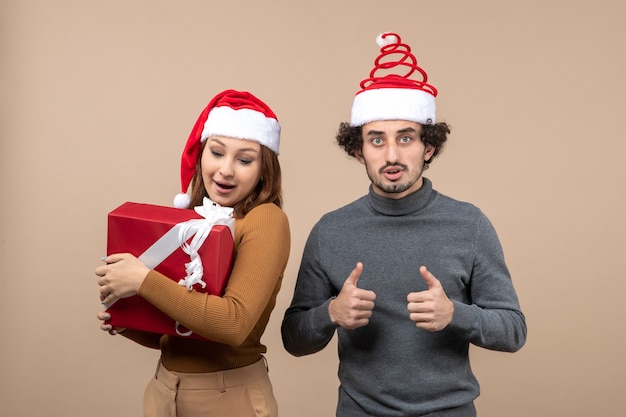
(353, 306)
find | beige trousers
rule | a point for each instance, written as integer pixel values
(241, 392)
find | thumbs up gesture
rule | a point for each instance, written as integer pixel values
(431, 310)
(353, 306)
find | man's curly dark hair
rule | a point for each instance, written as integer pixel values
(351, 140)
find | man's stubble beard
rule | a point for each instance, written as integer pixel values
(393, 188)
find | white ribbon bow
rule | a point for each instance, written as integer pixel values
(213, 214)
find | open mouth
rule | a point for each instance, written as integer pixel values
(393, 173)
(223, 187)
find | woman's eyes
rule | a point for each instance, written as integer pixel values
(243, 161)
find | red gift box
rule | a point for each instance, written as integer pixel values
(153, 234)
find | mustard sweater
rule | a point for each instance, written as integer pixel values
(235, 322)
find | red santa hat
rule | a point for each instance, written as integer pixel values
(394, 96)
(231, 113)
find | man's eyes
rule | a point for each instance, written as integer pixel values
(403, 139)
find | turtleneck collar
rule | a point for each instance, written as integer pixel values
(410, 204)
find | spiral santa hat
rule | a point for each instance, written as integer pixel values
(231, 113)
(394, 96)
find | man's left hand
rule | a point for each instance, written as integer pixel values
(431, 309)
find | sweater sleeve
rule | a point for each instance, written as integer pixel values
(262, 244)
(307, 327)
(493, 319)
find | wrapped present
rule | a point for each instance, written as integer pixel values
(192, 247)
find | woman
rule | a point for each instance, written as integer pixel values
(231, 157)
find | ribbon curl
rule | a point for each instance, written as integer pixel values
(213, 214)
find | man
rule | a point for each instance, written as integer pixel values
(406, 276)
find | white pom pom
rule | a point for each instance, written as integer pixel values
(388, 40)
(182, 201)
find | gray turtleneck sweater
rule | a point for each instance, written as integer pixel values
(390, 367)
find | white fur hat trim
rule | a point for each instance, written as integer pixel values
(242, 124)
(393, 104)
